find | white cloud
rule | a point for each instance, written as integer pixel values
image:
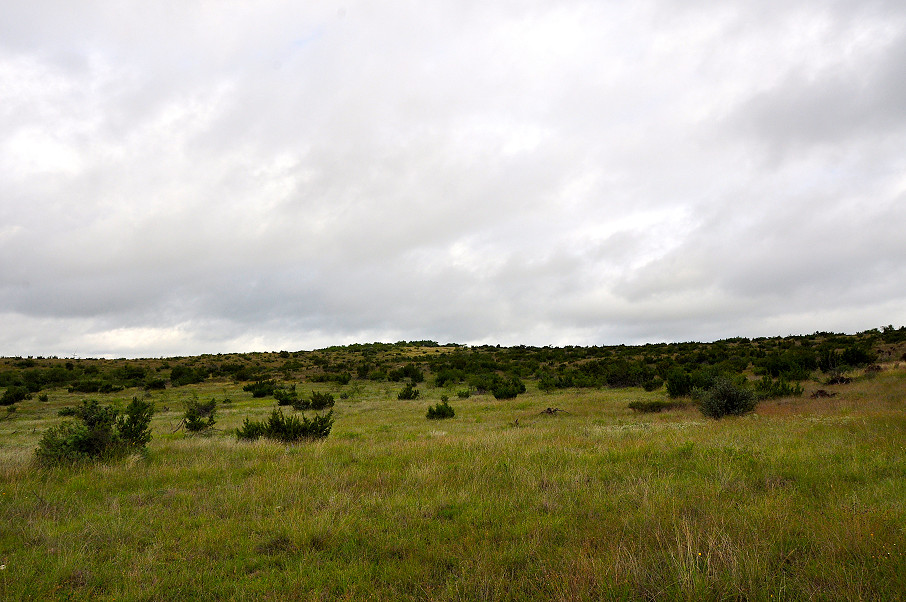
(187, 177)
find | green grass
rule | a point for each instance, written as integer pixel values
(806, 499)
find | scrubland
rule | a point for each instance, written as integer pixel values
(804, 499)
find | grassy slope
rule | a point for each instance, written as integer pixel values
(805, 500)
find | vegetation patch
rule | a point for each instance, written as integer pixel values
(408, 392)
(99, 432)
(199, 415)
(440, 411)
(288, 429)
(646, 407)
(726, 398)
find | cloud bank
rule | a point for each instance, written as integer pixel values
(184, 178)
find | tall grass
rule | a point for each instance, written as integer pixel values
(802, 500)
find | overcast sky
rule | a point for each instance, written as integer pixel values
(199, 177)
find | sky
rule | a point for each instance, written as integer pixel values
(191, 177)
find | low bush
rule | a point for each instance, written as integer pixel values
(464, 394)
(94, 386)
(679, 382)
(321, 401)
(100, 432)
(440, 411)
(287, 429)
(726, 398)
(155, 384)
(286, 397)
(410, 371)
(767, 388)
(409, 392)
(199, 415)
(261, 388)
(507, 388)
(653, 384)
(647, 407)
(13, 395)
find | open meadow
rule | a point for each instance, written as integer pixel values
(804, 499)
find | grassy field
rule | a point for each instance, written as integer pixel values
(803, 500)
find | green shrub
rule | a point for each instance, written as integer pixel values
(100, 432)
(135, 424)
(94, 386)
(409, 392)
(679, 382)
(261, 388)
(652, 384)
(12, 395)
(767, 388)
(410, 371)
(155, 384)
(463, 394)
(440, 411)
(286, 397)
(507, 388)
(251, 430)
(286, 428)
(858, 356)
(646, 407)
(199, 415)
(186, 375)
(725, 398)
(320, 401)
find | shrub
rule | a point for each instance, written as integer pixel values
(858, 356)
(261, 388)
(440, 411)
(155, 384)
(286, 397)
(726, 398)
(646, 407)
(463, 394)
(507, 389)
(100, 432)
(320, 401)
(185, 375)
(199, 415)
(409, 392)
(12, 395)
(251, 430)
(653, 384)
(135, 424)
(286, 428)
(767, 388)
(410, 371)
(679, 383)
(94, 386)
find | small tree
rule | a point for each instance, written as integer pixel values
(134, 425)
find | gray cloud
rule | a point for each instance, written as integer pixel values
(183, 178)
